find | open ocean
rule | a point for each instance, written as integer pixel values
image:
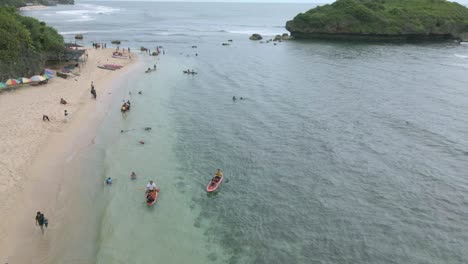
(340, 152)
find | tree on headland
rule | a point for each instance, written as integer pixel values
(25, 43)
(14, 3)
(382, 18)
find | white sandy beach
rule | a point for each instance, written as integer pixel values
(32, 150)
(32, 7)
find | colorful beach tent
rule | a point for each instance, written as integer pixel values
(48, 76)
(38, 78)
(49, 72)
(11, 82)
(24, 80)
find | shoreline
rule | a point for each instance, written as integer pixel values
(33, 8)
(42, 181)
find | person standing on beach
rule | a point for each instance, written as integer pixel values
(93, 91)
(41, 221)
(65, 113)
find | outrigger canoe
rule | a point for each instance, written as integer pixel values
(151, 198)
(213, 185)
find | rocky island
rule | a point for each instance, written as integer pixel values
(382, 20)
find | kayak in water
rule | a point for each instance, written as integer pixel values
(214, 183)
(151, 198)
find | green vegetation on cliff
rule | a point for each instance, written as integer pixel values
(382, 18)
(25, 43)
(21, 3)
(15, 3)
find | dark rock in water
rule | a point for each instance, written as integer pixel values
(256, 37)
(212, 256)
(66, 2)
(229, 40)
(395, 20)
(277, 37)
(285, 36)
(464, 37)
(78, 36)
(225, 44)
(115, 42)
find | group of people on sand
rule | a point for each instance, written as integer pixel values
(99, 45)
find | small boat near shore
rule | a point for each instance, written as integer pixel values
(213, 184)
(119, 57)
(106, 68)
(111, 67)
(151, 198)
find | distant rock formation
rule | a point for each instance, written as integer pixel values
(256, 37)
(78, 36)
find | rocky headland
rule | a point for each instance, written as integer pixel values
(382, 20)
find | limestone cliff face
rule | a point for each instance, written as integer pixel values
(382, 20)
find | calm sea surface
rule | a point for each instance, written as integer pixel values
(340, 152)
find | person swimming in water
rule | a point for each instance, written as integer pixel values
(133, 175)
(109, 181)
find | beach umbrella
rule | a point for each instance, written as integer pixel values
(24, 80)
(2, 85)
(38, 78)
(48, 76)
(10, 82)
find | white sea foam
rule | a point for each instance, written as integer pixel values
(87, 12)
(461, 56)
(260, 31)
(81, 32)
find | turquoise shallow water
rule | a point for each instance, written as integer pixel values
(340, 153)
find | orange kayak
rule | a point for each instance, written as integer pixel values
(213, 185)
(151, 198)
